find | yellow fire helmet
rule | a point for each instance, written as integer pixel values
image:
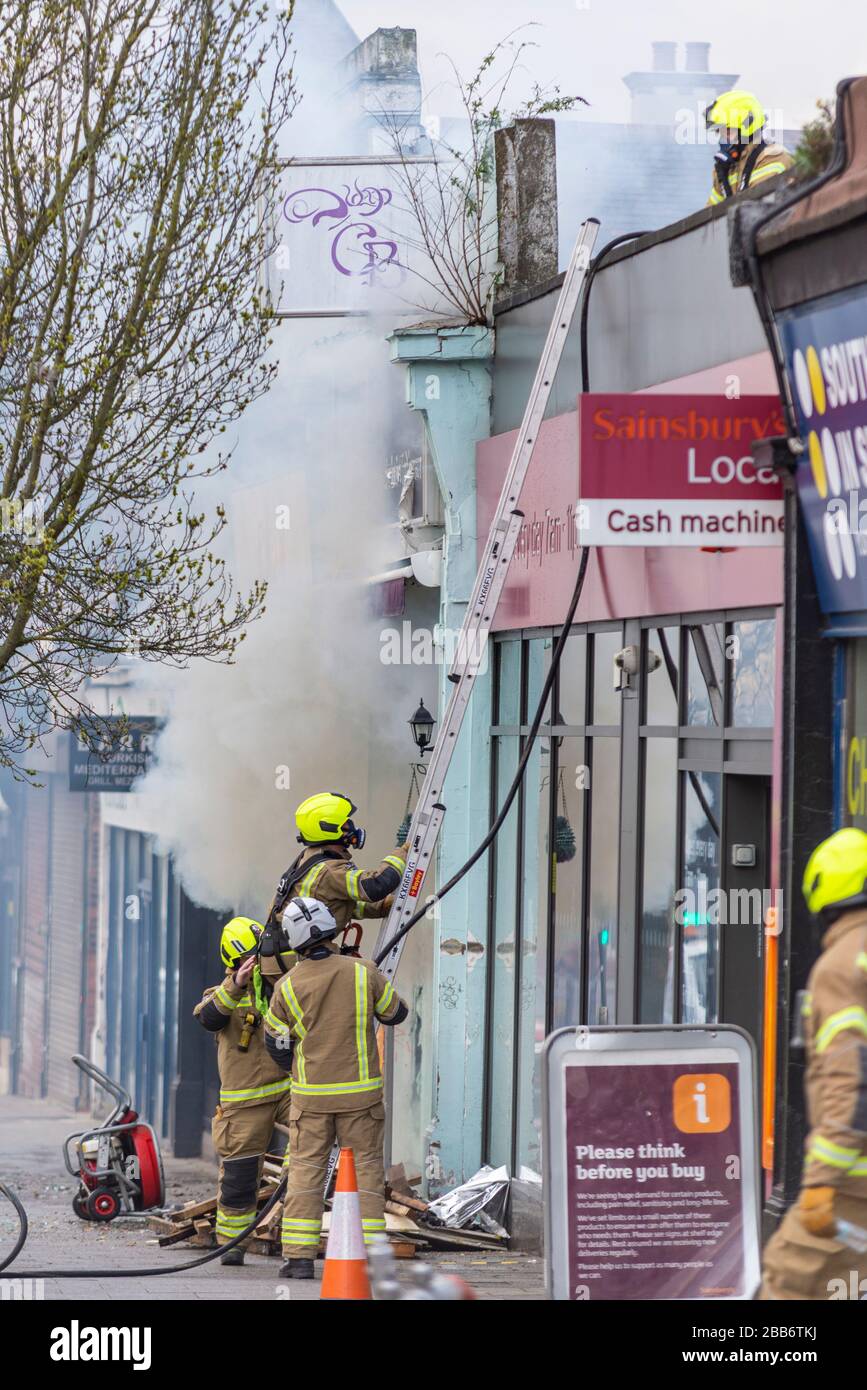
(326, 818)
(239, 938)
(737, 110)
(836, 873)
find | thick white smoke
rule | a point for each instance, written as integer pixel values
(308, 705)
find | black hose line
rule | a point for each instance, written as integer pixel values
(597, 264)
(136, 1272)
(517, 779)
(22, 1223)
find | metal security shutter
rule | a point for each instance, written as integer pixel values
(67, 934)
(32, 978)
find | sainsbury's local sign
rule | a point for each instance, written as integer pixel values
(677, 470)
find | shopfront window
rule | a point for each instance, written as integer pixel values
(572, 790)
(572, 702)
(606, 700)
(661, 666)
(659, 877)
(604, 861)
(753, 673)
(501, 1025)
(536, 870)
(577, 853)
(509, 683)
(699, 905)
(705, 665)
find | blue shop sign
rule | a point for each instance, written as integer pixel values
(825, 347)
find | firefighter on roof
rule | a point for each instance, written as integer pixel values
(744, 157)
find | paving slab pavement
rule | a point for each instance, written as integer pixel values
(31, 1134)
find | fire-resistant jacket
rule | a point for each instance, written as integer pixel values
(771, 160)
(346, 891)
(836, 1082)
(246, 1078)
(327, 1004)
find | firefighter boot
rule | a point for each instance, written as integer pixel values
(233, 1257)
(297, 1269)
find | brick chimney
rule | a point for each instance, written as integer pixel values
(662, 94)
(383, 76)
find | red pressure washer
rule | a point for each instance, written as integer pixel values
(119, 1165)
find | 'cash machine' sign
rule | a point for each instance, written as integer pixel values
(677, 470)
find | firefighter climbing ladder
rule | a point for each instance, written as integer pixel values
(499, 549)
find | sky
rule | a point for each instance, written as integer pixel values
(788, 55)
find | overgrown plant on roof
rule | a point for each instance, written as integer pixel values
(452, 197)
(816, 147)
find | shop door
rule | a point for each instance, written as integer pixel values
(745, 879)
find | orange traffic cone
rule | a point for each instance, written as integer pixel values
(345, 1273)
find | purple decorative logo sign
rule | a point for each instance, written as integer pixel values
(359, 248)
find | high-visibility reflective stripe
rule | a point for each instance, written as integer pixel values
(337, 1088)
(359, 909)
(309, 879)
(352, 877)
(276, 1024)
(231, 1224)
(716, 197)
(302, 1223)
(854, 1017)
(276, 1088)
(766, 170)
(361, 1022)
(297, 1238)
(301, 1063)
(372, 1227)
(807, 1006)
(861, 959)
(226, 999)
(288, 992)
(385, 998)
(824, 1150)
(396, 862)
(859, 1168)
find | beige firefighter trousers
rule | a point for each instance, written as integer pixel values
(798, 1265)
(311, 1138)
(241, 1137)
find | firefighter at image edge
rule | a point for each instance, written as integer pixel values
(321, 1024)
(744, 157)
(806, 1258)
(254, 1090)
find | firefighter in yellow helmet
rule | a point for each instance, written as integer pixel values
(255, 1091)
(325, 869)
(744, 158)
(807, 1258)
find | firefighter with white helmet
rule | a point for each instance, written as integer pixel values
(744, 157)
(321, 1024)
(809, 1256)
(254, 1090)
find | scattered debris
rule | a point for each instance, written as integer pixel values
(478, 1207)
(412, 1225)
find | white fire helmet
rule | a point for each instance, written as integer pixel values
(306, 921)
